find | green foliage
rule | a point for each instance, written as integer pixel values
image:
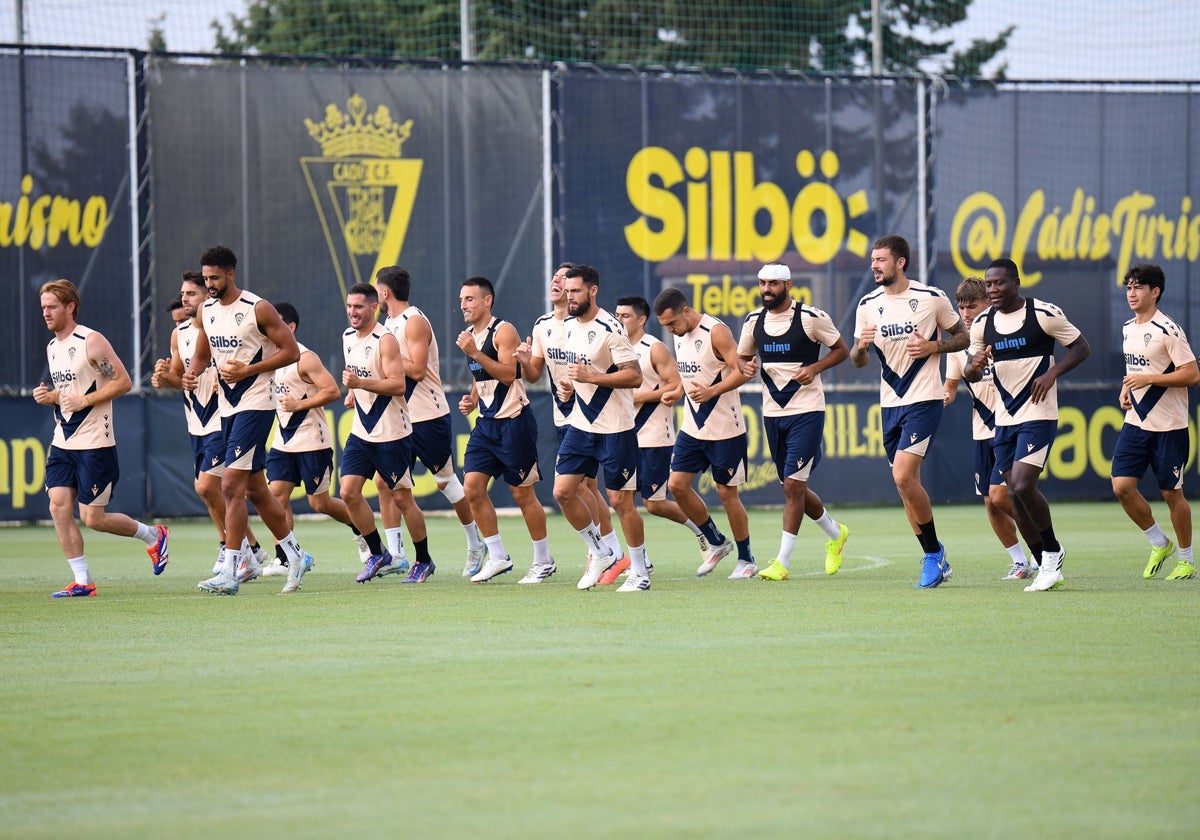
(830, 35)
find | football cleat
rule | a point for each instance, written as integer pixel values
(276, 568)
(744, 570)
(634, 583)
(474, 561)
(1046, 580)
(222, 584)
(714, 556)
(1019, 571)
(596, 566)
(492, 568)
(158, 552)
(538, 572)
(775, 571)
(377, 562)
(295, 574)
(614, 571)
(399, 565)
(76, 590)
(935, 569)
(248, 569)
(1183, 571)
(1158, 556)
(420, 573)
(833, 551)
(364, 550)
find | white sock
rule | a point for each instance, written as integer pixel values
(694, 528)
(829, 525)
(541, 552)
(495, 547)
(637, 560)
(473, 541)
(292, 548)
(395, 541)
(591, 538)
(614, 544)
(787, 542)
(79, 568)
(1185, 554)
(1156, 536)
(229, 561)
(1017, 554)
(147, 533)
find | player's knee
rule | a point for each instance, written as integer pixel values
(453, 490)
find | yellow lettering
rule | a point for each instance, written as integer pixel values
(1106, 417)
(721, 227)
(41, 222)
(1030, 213)
(28, 469)
(648, 181)
(1068, 455)
(695, 163)
(753, 432)
(749, 198)
(982, 216)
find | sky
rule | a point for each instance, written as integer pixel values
(1137, 40)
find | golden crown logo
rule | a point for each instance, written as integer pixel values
(359, 133)
(363, 190)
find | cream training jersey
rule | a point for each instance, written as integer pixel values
(785, 342)
(1157, 346)
(654, 422)
(718, 419)
(233, 333)
(201, 407)
(496, 400)
(1022, 345)
(71, 371)
(549, 337)
(378, 418)
(919, 310)
(601, 345)
(983, 395)
(306, 430)
(426, 398)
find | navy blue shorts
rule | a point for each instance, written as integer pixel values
(431, 444)
(93, 473)
(390, 459)
(504, 447)
(653, 470)
(726, 459)
(585, 453)
(986, 474)
(795, 443)
(1164, 452)
(910, 428)
(208, 454)
(1032, 440)
(246, 436)
(312, 469)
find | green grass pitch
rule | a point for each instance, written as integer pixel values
(846, 706)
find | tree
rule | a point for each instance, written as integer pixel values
(825, 35)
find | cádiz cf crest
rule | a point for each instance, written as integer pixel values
(363, 190)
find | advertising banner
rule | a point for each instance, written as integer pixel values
(318, 177)
(1074, 186)
(696, 182)
(64, 203)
